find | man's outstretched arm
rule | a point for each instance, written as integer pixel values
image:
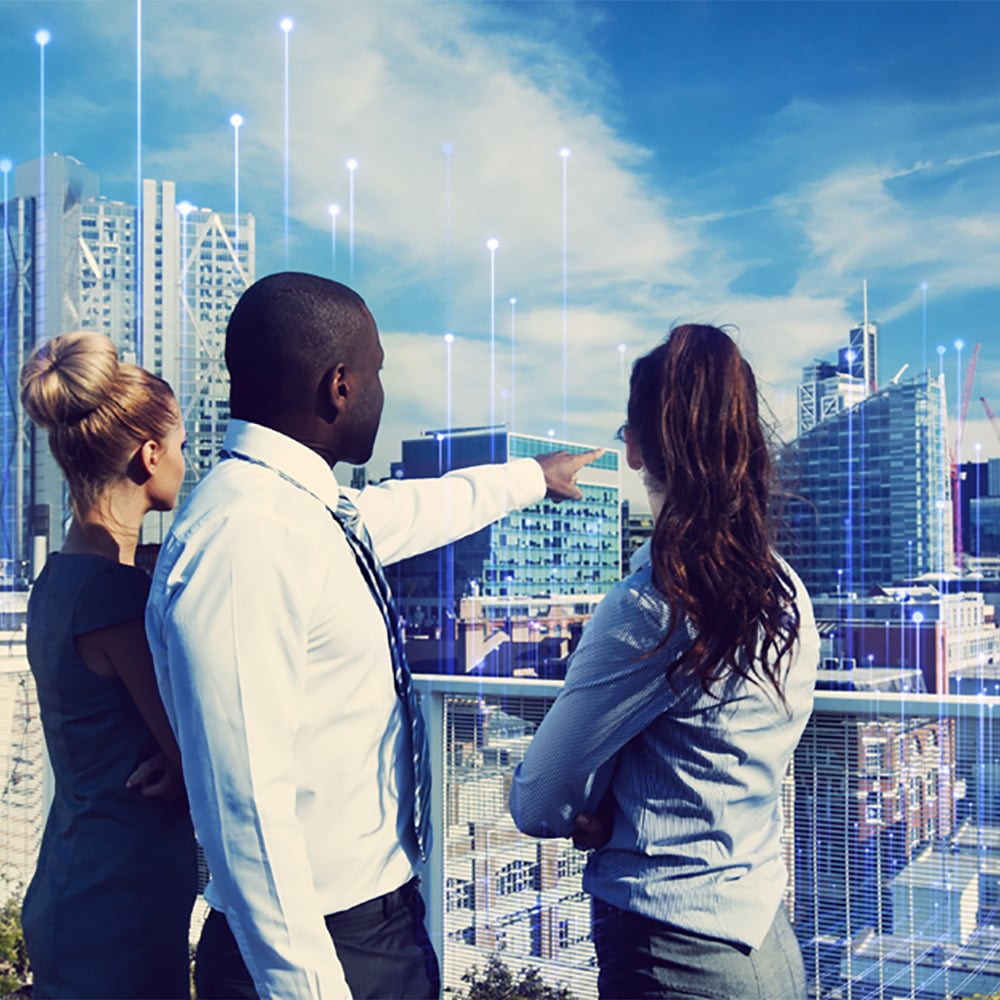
(409, 516)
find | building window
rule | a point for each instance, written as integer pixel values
(517, 877)
(873, 807)
(874, 756)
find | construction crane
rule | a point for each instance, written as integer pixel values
(970, 373)
(991, 416)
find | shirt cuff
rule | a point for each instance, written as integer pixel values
(525, 482)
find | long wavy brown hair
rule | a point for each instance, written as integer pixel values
(693, 413)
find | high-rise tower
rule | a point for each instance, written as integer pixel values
(872, 488)
(73, 260)
(862, 362)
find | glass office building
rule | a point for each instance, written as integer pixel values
(159, 279)
(546, 549)
(870, 491)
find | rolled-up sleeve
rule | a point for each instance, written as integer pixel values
(227, 622)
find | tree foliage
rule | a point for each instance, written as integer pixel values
(13, 954)
(498, 982)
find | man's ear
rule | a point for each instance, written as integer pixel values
(632, 454)
(338, 387)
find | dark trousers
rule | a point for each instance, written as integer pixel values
(639, 957)
(382, 945)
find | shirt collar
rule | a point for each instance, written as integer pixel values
(286, 455)
(642, 557)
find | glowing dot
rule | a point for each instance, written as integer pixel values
(447, 149)
(850, 355)
(449, 338)
(185, 207)
(918, 618)
(42, 37)
(959, 344)
(564, 152)
(352, 164)
(438, 437)
(940, 349)
(236, 120)
(334, 210)
(513, 302)
(552, 432)
(923, 285)
(492, 244)
(5, 166)
(286, 24)
(621, 348)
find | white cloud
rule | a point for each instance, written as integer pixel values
(877, 189)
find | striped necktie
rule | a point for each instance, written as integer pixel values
(358, 539)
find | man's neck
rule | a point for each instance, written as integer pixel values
(302, 430)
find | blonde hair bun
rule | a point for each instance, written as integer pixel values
(68, 378)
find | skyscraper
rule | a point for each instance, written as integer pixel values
(862, 357)
(159, 279)
(872, 491)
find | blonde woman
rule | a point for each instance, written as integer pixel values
(107, 912)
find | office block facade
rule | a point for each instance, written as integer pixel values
(871, 491)
(829, 388)
(548, 548)
(942, 636)
(869, 795)
(862, 354)
(825, 390)
(159, 279)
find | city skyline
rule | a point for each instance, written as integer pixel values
(748, 164)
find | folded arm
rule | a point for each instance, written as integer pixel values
(613, 691)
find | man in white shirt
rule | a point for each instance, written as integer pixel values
(275, 659)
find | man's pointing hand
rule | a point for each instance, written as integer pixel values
(560, 469)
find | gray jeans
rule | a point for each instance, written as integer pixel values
(639, 957)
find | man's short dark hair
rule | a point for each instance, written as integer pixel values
(286, 329)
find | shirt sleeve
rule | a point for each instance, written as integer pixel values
(228, 623)
(408, 516)
(614, 689)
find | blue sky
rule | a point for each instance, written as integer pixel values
(740, 163)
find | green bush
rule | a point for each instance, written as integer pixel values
(498, 982)
(13, 954)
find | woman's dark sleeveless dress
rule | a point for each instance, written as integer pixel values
(107, 912)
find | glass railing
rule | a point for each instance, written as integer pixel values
(892, 840)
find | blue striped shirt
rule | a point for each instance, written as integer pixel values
(696, 781)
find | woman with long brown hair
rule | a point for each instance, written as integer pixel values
(108, 909)
(667, 747)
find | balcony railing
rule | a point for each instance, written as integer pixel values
(892, 840)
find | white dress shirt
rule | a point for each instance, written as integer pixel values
(274, 667)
